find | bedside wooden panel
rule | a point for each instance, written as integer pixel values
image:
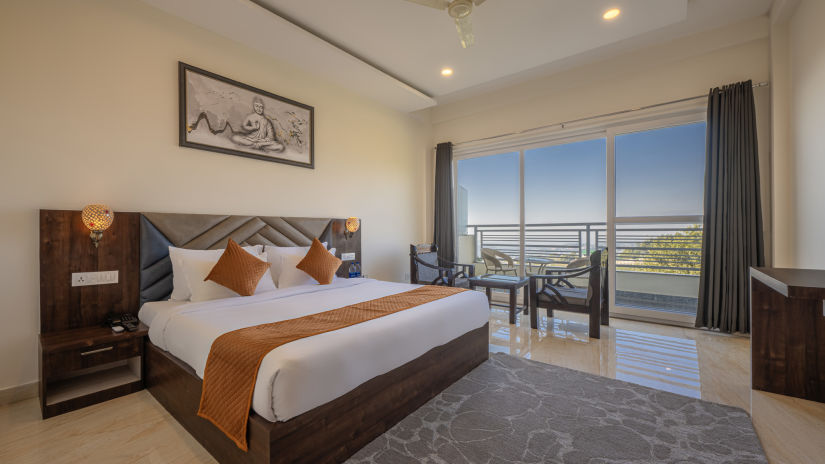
(65, 248)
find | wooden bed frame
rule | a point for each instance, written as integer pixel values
(332, 432)
(329, 433)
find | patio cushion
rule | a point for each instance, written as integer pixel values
(575, 296)
(428, 274)
(461, 282)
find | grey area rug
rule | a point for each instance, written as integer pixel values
(512, 410)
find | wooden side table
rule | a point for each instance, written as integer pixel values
(511, 283)
(86, 366)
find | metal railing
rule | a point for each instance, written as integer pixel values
(661, 248)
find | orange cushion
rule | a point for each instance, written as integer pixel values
(319, 263)
(238, 270)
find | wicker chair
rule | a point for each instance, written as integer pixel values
(495, 261)
(428, 269)
(554, 291)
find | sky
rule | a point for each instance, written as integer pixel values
(658, 172)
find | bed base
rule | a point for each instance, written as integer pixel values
(330, 433)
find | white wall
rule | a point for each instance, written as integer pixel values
(683, 68)
(798, 65)
(88, 113)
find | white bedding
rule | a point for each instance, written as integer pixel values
(307, 373)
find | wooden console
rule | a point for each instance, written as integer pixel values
(788, 332)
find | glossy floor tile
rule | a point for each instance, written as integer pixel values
(714, 367)
(130, 429)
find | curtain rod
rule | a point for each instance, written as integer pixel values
(615, 113)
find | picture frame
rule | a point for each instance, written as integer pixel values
(222, 115)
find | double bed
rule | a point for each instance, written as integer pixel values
(316, 399)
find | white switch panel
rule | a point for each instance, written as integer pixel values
(107, 277)
(347, 256)
(80, 279)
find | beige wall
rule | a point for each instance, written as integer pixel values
(784, 192)
(798, 66)
(88, 113)
(670, 71)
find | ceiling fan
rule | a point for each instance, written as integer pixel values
(460, 11)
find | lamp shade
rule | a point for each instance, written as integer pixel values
(353, 223)
(97, 217)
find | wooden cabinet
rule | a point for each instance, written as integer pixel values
(788, 332)
(86, 366)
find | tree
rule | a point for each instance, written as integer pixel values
(676, 253)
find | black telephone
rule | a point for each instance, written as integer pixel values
(125, 320)
(129, 321)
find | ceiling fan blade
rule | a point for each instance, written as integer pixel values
(465, 31)
(437, 4)
(478, 2)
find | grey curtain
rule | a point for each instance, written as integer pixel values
(444, 233)
(733, 240)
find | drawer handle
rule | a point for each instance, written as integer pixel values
(99, 350)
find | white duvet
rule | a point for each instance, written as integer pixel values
(307, 373)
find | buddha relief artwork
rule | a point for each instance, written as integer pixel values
(226, 116)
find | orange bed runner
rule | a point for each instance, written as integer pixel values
(234, 359)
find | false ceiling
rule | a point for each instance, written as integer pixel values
(393, 50)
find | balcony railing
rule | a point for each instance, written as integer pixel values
(657, 248)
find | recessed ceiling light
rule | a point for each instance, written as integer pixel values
(447, 72)
(612, 13)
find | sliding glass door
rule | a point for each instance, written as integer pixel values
(633, 189)
(564, 202)
(487, 205)
(659, 178)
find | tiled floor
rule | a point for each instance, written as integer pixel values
(136, 429)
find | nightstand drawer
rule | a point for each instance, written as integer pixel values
(82, 358)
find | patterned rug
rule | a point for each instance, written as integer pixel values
(513, 410)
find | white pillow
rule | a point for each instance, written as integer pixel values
(180, 288)
(274, 254)
(196, 269)
(291, 276)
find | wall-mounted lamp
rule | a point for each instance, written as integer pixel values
(97, 218)
(353, 224)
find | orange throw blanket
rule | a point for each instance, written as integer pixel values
(235, 357)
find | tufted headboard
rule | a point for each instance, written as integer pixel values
(158, 231)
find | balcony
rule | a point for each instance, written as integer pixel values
(657, 265)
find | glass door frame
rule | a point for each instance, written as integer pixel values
(689, 117)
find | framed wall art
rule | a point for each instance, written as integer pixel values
(225, 116)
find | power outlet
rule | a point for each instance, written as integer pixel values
(347, 256)
(82, 279)
(406, 277)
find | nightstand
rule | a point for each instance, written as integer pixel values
(86, 366)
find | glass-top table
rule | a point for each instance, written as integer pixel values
(507, 282)
(533, 262)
